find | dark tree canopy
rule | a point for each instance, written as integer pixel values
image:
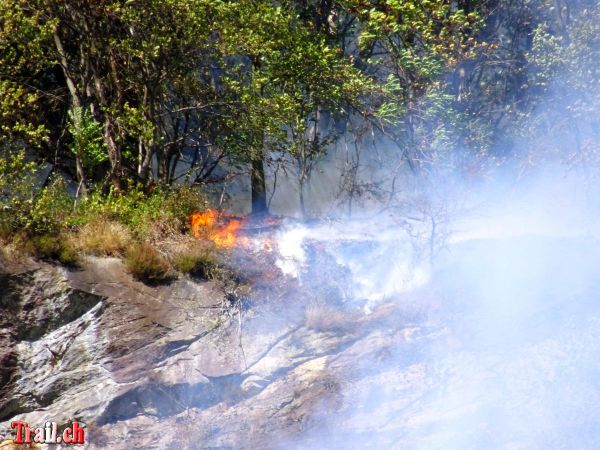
(115, 92)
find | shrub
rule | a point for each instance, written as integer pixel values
(17, 190)
(164, 209)
(145, 263)
(55, 247)
(51, 209)
(103, 237)
(202, 263)
(24, 204)
(182, 201)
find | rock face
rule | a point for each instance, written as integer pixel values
(503, 353)
(175, 366)
(74, 340)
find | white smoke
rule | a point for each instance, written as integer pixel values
(386, 264)
(515, 360)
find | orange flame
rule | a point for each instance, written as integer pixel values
(204, 225)
(226, 236)
(202, 221)
(208, 225)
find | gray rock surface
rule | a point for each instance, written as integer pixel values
(176, 365)
(499, 351)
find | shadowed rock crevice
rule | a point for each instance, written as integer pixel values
(54, 312)
(160, 400)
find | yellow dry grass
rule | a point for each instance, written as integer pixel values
(103, 237)
(9, 444)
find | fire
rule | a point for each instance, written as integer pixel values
(206, 225)
(203, 220)
(226, 236)
(209, 225)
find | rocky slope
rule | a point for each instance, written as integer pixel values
(503, 353)
(182, 365)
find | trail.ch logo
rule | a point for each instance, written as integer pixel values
(50, 433)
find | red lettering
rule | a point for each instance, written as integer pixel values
(19, 430)
(67, 435)
(79, 434)
(28, 434)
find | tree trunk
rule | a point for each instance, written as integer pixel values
(114, 155)
(301, 192)
(76, 109)
(259, 191)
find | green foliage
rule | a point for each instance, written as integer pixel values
(24, 206)
(148, 79)
(17, 183)
(88, 140)
(15, 100)
(52, 209)
(140, 211)
(22, 62)
(152, 80)
(51, 246)
(145, 263)
(564, 69)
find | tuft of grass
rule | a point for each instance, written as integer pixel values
(103, 237)
(55, 247)
(145, 263)
(201, 262)
(325, 318)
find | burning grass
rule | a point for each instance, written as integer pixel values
(207, 225)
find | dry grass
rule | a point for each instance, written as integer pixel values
(9, 444)
(145, 263)
(9, 251)
(103, 237)
(202, 264)
(324, 318)
(48, 246)
(196, 258)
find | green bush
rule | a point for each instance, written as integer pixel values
(201, 263)
(51, 211)
(26, 206)
(140, 211)
(145, 263)
(52, 247)
(17, 190)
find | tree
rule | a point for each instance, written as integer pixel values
(288, 78)
(109, 88)
(136, 71)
